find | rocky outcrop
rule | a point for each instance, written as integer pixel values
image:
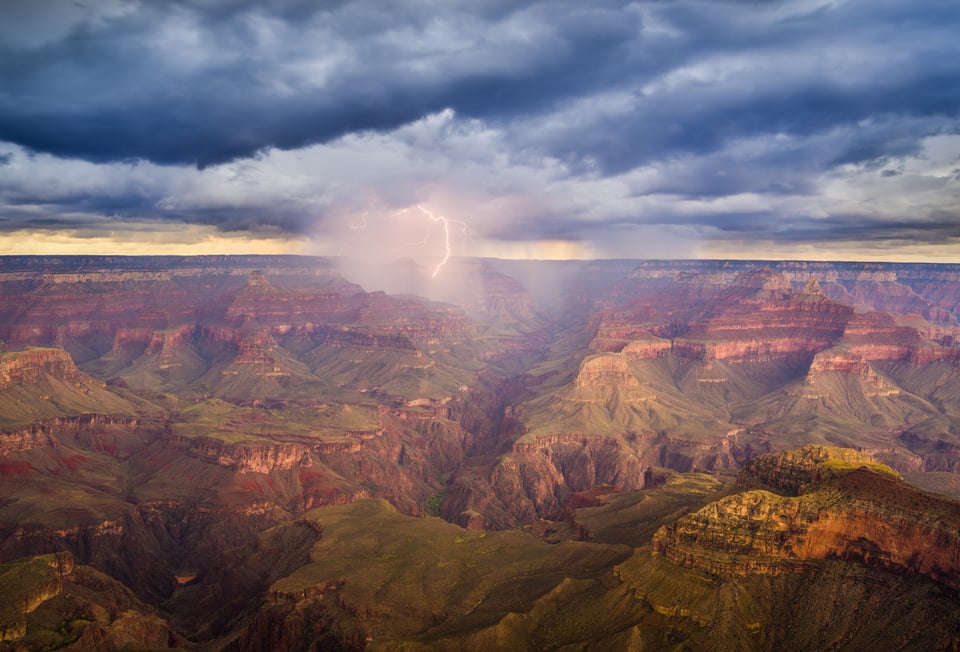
(922, 289)
(535, 479)
(647, 349)
(101, 432)
(28, 367)
(609, 370)
(844, 362)
(848, 365)
(830, 503)
(112, 316)
(754, 316)
(24, 439)
(82, 609)
(262, 457)
(27, 584)
(790, 473)
(122, 546)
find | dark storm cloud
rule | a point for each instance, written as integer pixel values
(602, 115)
(835, 68)
(853, 228)
(205, 83)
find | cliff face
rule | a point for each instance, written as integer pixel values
(925, 290)
(28, 583)
(792, 472)
(606, 371)
(159, 313)
(29, 366)
(783, 354)
(838, 505)
(751, 316)
(106, 433)
(537, 477)
(81, 608)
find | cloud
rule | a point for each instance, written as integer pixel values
(185, 83)
(609, 125)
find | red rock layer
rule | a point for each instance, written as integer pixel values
(29, 366)
(848, 511)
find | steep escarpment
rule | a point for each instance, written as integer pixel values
(28, 367)
(378, 588)
(28, 583)
(51, 602)
(760, 318)
(792, 472)
(535, 479)
(181, 328)
(832, 505)
(764, 351)
(928, 290)
(754, 316)
(701, 372)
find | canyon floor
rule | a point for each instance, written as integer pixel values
(268, 452)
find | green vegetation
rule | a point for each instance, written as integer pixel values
(234, 424)
(414, 573)
(247, 408)
(432, 508)
(836, 467)
(70, 631)
(633, 517)
(26, 583)
(51, 389)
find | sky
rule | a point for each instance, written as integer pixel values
(385, 129)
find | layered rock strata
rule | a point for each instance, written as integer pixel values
(830, 504)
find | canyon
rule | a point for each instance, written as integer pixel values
(256, 452)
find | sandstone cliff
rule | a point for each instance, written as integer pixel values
(832, 504)
(28, 367)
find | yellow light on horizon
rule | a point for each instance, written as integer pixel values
(185, 240)
(533, 250)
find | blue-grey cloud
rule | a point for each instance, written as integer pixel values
(800, 120)
(183, 83)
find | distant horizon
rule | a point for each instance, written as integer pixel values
(468, 258)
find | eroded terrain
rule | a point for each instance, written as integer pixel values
(257, 453)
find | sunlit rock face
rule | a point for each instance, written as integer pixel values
(606, 371)
(819, 503)
(28, 367)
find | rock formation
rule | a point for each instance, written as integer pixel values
(819, 503)
(194, 416)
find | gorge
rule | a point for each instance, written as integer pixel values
(255, 452)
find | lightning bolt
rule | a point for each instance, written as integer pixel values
(448, 250)
(361, 223)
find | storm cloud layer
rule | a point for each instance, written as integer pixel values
(619, 126)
